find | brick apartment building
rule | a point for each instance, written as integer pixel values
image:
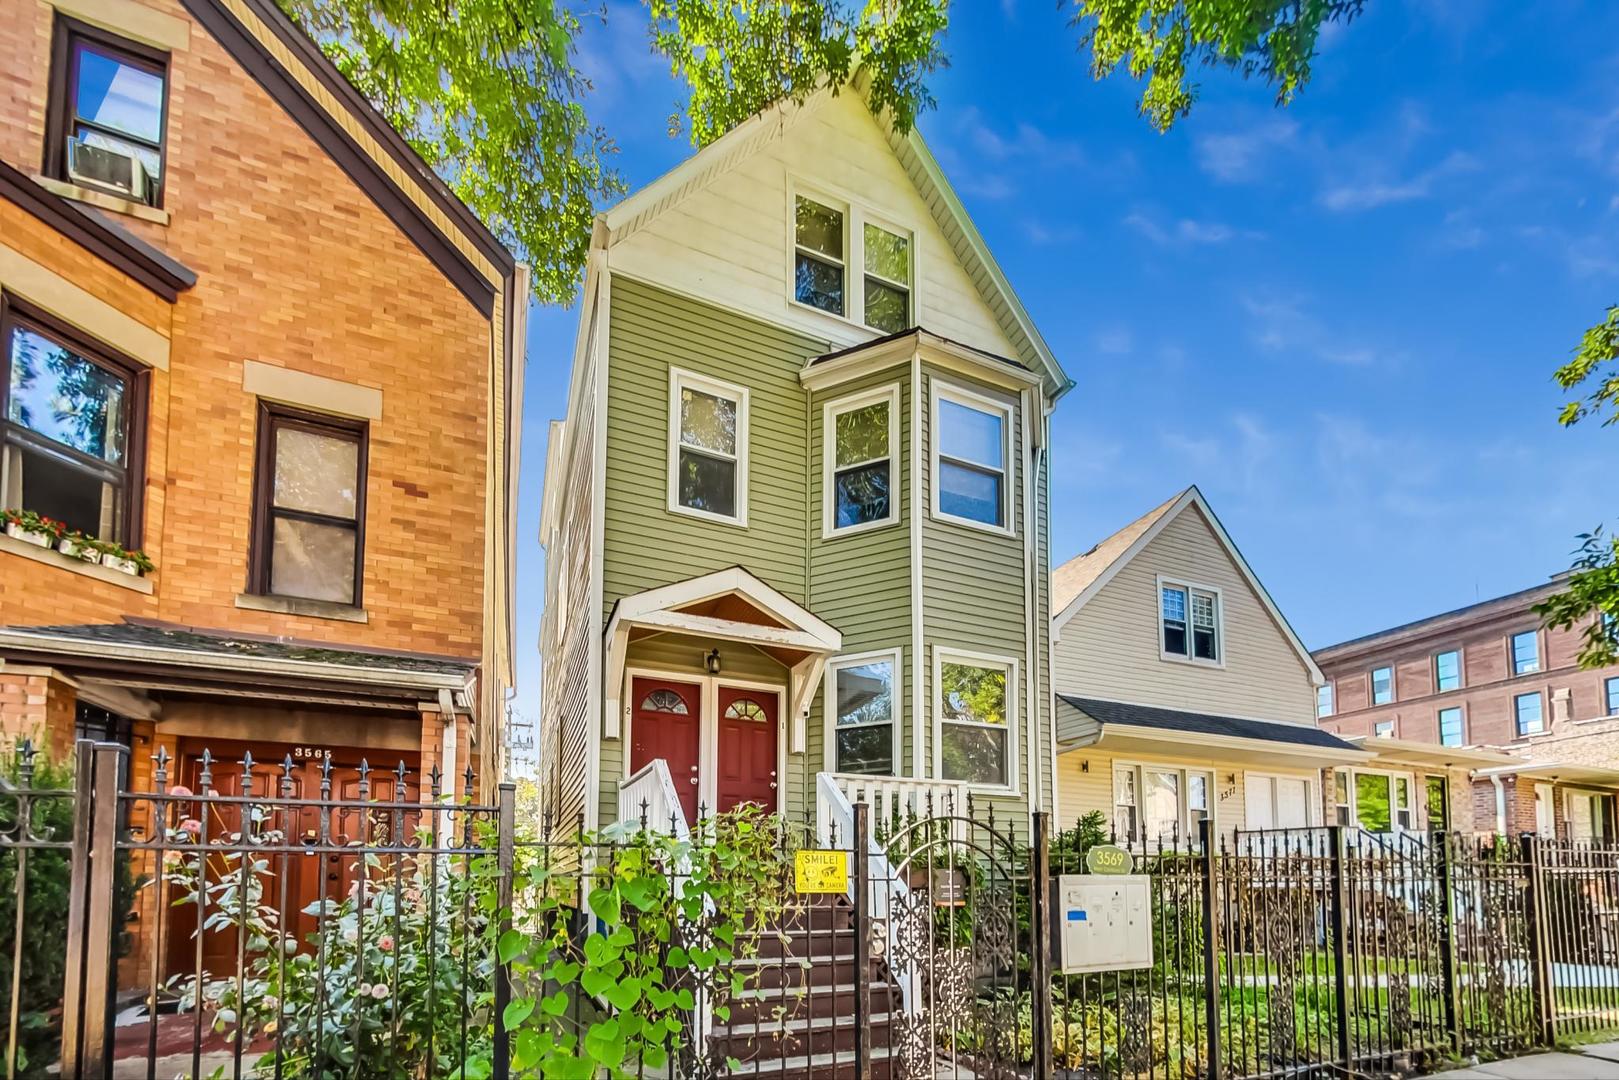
(1490, 675)
(245, 331)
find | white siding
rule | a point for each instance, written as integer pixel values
(1110, 648)
(730, 242)
(1085, 783)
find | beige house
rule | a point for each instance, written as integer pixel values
(1183, 695)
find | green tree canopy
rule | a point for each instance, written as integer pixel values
(487, 93)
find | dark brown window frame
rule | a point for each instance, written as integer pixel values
(137, 378)
(60, 106)
(272, 417)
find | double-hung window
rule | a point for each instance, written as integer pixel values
(887, 284)
(1525, 653)
(976, 703)
(1610, 690)
(105, 122)
(1189, 621)
(1526, 708)
(1383, 729)
(1450, 727)
(971, 458)
(1447, 671)
(1323, 701)
(1156, 804)
(309, 506)
(865, 710)
(1382, 685)
(861, 449)
(71, 419)
(708, 448)
(819, 268)
(1383, 801)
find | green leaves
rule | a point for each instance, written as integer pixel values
(487, 93)
(741, 56)
(1161, 41)
(1596, 358)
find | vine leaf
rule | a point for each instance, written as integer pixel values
(511, 945)
(516, 1012)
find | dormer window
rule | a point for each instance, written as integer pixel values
(105, 129)
(818, 264)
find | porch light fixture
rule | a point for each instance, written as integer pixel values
(712, 662)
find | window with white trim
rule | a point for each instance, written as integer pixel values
(863, 710)
(861, 436)
(1383, 729)
(1525, 653)
(1278, 802)
(1450, 727)
(1382, 801)
(1447, 671)
(1587, 814)
(1526, 710)
(1382, 685)
(818, 259)
(976, 707)
(1323, 700)
(887, 285)
(708, 448)
(1190, 621)
(971, 458)
(1160, 804)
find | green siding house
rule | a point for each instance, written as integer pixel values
(796, 518)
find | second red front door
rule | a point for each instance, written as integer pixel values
(747, 749)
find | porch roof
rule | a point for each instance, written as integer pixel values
(1124, 726)
(1415, 752)
(1557, 772)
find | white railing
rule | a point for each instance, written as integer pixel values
(834, 815)
(905, 799)
(649, 794)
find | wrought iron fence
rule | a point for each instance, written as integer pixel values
(383, 926)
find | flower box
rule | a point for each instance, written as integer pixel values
(27, 536)
(78, 549)
(128, 566)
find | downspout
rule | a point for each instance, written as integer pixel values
(811, 469)
(1500, 804)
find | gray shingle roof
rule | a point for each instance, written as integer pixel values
(1118, 712)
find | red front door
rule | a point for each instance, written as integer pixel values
(666, 718)
(747, 749)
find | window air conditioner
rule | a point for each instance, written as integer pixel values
(109, 167)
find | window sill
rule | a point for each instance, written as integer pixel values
(1176, 658)
(968, 523)
(52, 557)
(102, 200)
(313, 609)
(713, 519)
(863, 527)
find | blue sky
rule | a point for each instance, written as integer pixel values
(1339, 319)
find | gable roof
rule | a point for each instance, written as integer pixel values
(1082, 577)
(920, 167)
(452, 238)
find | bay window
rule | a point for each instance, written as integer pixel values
(861, 436)
(72, 420)
(708, 448)
(971, 458)
(864, 713)
(975, 702)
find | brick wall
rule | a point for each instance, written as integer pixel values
(296, 267)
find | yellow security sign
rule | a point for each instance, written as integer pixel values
(821, 871)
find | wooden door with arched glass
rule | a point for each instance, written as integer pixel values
(747, 751)
(665, 723)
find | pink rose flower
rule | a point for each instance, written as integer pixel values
(379, 991)
(191, 825)
(180, 791)
(386, 943)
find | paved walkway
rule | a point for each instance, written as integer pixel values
(1598, 1061)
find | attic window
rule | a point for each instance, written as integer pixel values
(888, 279)
(106, 122)
(818, 263)
(1189, 620)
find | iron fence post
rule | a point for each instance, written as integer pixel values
(505, 867)
(1534, 910)
(1340, 950)
(1211, 952)
(78, 908)
(1040, 941)
(1447, 939)
(862, 941)
(97, 976)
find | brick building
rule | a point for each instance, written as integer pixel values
(245, 331)
(1490, 675)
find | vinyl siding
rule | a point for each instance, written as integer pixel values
(861, 582)
(728, 240)
(1110, 648)
(1085, 782)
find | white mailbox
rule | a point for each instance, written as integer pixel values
(1102, 922)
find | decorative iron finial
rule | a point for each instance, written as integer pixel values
(646, 808)
(286, 777)
(205, 779)
(365, 780)
(247, 772)
(160, 769)
(466, 782)
(326, 777)
(25, 762)
(434, 779)
(399, 781)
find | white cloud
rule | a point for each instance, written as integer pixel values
(1368, 194)
(1115, 341)
(1283, 323)
(1184, 232)
(1238, 156)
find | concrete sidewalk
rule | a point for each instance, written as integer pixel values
(1598, 1061)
